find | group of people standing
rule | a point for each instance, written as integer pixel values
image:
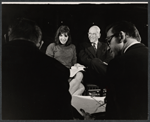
(38, 86)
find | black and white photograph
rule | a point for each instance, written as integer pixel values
(74, 60)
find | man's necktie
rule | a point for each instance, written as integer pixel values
(94, 46)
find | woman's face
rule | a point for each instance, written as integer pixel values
(63, 38)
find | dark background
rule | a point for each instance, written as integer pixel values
(79, 17)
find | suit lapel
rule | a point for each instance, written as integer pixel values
(99, 49)
(91, 50)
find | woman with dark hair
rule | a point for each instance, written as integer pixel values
(65, 52)
(62, 49)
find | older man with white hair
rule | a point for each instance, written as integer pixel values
(94, 54)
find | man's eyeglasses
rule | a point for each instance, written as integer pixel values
(108, 39)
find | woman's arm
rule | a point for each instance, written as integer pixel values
(74, 59)
(50, 50)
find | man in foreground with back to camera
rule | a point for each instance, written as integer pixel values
(127, 73)
(34, 86)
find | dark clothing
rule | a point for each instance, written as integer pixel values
(94, 61)
(29, 80)
(127, 92)
(87, 53)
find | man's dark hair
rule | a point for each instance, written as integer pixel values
(63, 29)
(26, 29)
(127, 27)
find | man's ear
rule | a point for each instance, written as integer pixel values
(99, 35)
(121, 36)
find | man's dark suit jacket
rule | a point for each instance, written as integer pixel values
(96, 70)
(87, 53)
(127, 92)
(34, 86)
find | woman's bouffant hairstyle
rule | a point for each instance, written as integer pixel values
(60, 30)
(128, 27)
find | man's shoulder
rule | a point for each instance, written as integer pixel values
(50, 63)
(139, 46)
(44, 58)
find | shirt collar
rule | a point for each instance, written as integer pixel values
(130, 45)
(95, 43)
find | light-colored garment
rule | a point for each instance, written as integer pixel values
(64, 54)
